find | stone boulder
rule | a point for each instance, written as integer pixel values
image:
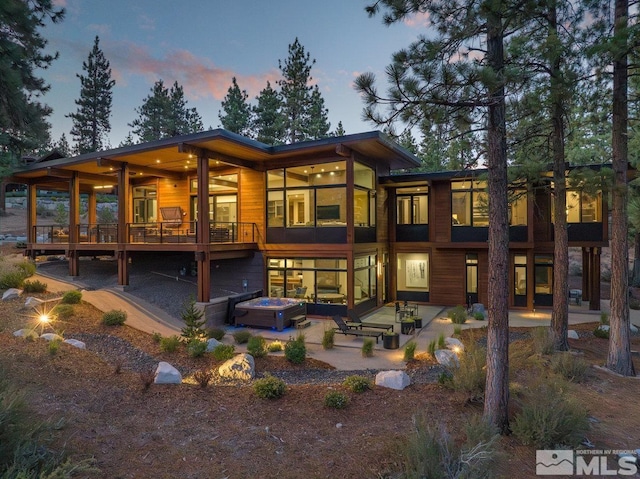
(572, 334)
(32, 302)
(393, 379)
(454, 344)
(11, 293)
(242, 367)
(447, 358)
(21, 333)
(76, 343)
(212, 343)
(167, 374)
(51, 337)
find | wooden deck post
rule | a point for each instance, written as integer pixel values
(202, 231)
(32, 203)
(74, 221)
(594, 277)
(123, 268)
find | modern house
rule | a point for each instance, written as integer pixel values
(322, 221)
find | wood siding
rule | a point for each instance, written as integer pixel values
(440, 211)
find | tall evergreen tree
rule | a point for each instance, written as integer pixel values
(237, 111)
(318, 116)
(339, 131)
(91, 121)
(268, 121)
(63, 146)
(181, 120)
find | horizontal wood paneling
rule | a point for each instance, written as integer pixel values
(440, 211)
(447, 277)
(251, 195)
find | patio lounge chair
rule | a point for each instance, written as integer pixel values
(365, 333)
(354, 320)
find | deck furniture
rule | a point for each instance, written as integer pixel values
(354, 331)
(355, 321)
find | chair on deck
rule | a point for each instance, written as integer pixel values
(354, 330)
(400, 312)
(354, 320)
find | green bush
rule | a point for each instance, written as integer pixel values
(470, 375)
(224, 352)
(34, 286)
(442, 342)
(410, 351)
(295, 351)
(170, 344)
(604, 318)
(54, 346)
(478, 316)
(196, 348)
(194, 321)
(257, 347)
(367, 348)
(115, 317)
(431, 452)
(72, 297)
(431, 348)
(549, 419)
(357, 384)
(601, 333)
(336, 400)
(542, 340)
(27, 268)
(156, 337)
(457, 330)
(242, 337)
(269, 387)
(458, 315)
(328, 338)
(63, 311)
(569, 366)
(215, 333)
(275, 346)
(12, 279)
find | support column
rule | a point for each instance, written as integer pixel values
(92, 208)
(31, 213)
(594, 296)
(202, 231)
(586, 273)
(123, 220)
(74, 221)
(204, 276)
(123, 268)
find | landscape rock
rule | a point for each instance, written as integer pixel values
(241, 366)
(212, 343)
(76, 343)
(603, 327)
(447, 358)
(32, 302)
(51, 337)
(21, 333)
(393, 379)
(453, 344)
(11, 293)
(572, 334)
(167, 374)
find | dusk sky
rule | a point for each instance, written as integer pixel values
(203, 44)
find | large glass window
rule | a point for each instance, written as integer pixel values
(145, 204)
(331, 206)
(469, 203)
(518, 209)
(520, 274)
(275, 208)
(223, 198)
(300, 211)
(364, 268)
(543, 274)
(472, 273)
(581, 207)
(412, 206)
(413, 272)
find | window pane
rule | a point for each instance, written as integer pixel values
(472, 278)
(573, 207)
(518, 211)
(361, 207)
(544, 279)
(363, 176)
(520, 278)
(461, 208)
(420, 210)
(403, 204)
(591, 208)
(520, 259)
(480, 209)
(461, 185)
(299, 176)
(331, 209)
(300, 208)
(275, 208)
(275, 178)
(220, 183)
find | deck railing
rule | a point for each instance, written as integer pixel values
(95, 233)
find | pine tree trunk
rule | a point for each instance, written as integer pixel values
(560, 313)
(496, 400)
(619, 357)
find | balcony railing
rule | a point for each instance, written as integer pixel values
(96, 233)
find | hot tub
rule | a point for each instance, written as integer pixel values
(274, 313)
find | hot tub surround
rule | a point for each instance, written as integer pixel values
(274, 313)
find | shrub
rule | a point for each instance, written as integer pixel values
(34, 286)
(442, 343)
(72, 297)
(193, 320)
(156, 337)
(31, 335)
(367, 348)
(169, 344)
(275, 346)
(269, 387)
(458, 315)
(600, 332)
(215, 333)
(257, 347)
(147, 377)
(27, 268)
(196, 348)
(223, 352)
(336, 399)
(328, 338)
(295, 351)
(115, 317)
(604, 318)
(478, 316)
(549, 419)
(410, 351)
(432, 452)
(203, 376)
(12, 279)
(457, 330)
(54, 346)
(542, 340)
(470, 375)
(357, 384)
(242, 337)
(431, 348)
(569, 366)
(63, 311)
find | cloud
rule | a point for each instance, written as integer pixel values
(418, 20)
(145, 22)
(100, 28)
(199, 76)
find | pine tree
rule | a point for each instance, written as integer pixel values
(194, 322)
(91, 123)
(318, 116)
(268, 121)
(63, 146)
(181, 120)
(237, 112)
(339, 131)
